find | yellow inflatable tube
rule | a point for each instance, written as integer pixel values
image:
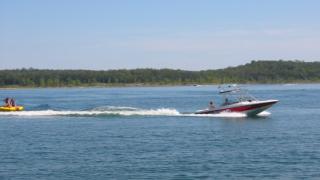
(16, 108)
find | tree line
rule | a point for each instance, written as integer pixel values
(261, 71)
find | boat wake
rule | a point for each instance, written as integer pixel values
(122, 111)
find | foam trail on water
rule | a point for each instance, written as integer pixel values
(151, 112)
(222, 114)
(113, 108)
(264, 114)
(125, 111)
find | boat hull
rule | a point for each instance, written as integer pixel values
(250, 108)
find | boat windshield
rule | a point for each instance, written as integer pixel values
(234, 94)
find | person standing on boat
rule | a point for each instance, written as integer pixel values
(226, 102)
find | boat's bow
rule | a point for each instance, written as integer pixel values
(257, 107)
(250, 108)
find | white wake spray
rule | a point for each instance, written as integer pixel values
(151, 112)
(124, 111)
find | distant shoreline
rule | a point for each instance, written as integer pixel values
(256, 72)
(149, 85)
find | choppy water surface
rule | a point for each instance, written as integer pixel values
(152, 133)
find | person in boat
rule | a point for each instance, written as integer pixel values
(6, 102)
(211, 105)
(9, 102)
(13, 102)
(226, 102)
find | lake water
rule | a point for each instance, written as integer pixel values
(151, 133)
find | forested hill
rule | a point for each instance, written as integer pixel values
(253, 72)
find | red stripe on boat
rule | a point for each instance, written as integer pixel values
(247, 107)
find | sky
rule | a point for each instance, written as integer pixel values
(178, 34)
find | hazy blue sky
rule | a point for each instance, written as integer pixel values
(185, 34)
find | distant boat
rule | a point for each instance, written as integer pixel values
(238, 100)
(289, 84)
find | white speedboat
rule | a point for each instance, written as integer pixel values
(238, 100)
